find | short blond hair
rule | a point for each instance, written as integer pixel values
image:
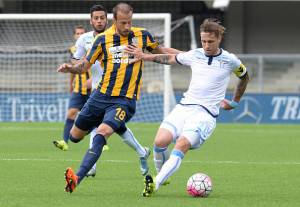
(122, 7)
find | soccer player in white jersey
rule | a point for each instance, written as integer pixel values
(83, 45)
(193, 120)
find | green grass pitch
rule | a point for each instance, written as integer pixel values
(250, 165)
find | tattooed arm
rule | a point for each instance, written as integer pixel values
(79, 67)
(167, 59)
(238, 93)
(241, 87)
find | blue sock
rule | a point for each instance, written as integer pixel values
(68, 126)
(91, 156)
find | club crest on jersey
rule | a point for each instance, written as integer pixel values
(223, 63)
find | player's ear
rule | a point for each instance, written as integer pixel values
(220, 39)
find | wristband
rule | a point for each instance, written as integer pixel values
(233, 104)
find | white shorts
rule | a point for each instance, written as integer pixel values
(190, 121)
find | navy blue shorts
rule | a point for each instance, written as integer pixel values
(100, 108)
(77, 100)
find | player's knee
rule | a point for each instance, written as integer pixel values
(105, 130)
(76, 134)
(72, 113)
(73, 139)
(183, 144)
(163, 138)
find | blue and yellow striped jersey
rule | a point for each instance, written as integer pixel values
(80, 79)
(119, 77)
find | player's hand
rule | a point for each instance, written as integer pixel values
(135, 51)
(88, 83)
(225, 104)
(64, 68)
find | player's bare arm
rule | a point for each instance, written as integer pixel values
(88, 83)
(238, 93)
(78, 68)
(167, 59)
(241, 87)
(72, 77)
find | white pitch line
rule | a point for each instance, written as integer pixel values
(58, 160)
(244, 163)
(186, 161)
(55, 129)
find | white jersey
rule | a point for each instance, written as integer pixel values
(210, 77)
(83, 45)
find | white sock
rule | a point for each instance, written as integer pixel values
(170, 166)
(131, 141)
(160, 156)
(92, 135)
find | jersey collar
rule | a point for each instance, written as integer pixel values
(214, 55)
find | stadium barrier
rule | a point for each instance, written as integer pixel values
(265, 108)
(253, 108)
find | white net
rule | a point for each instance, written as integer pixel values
(31, 48)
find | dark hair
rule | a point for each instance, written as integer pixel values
(98, 7)
(78, 27)
(213, 26)
(122, 7)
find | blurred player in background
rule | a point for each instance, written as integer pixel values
(79, 94)
(113, 103)
(193, 120)
(78, 31)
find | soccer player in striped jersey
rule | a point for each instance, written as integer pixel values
(113, 103)
(99, 21)
(193, 120)
(79, 95)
